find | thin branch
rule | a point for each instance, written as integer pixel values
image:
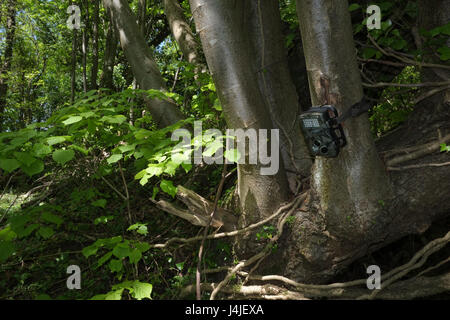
(420, 152)
(231, 233)
(416, 166)
(406, 85)
(205, 232)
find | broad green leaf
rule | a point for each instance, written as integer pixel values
(115, 265)
(99, 203)
(142, 246)
(46, 232)
(72, 119)
(9, 165)
(49, 217)
(117, 119)
(154, 170)
(121, 250)
(103, 259)
(444, 53)
(25, 158)
(7, 248)
(135, 256)
(168, 187)
(353, 7)
(89, 250)
(55, 140)
(141, 290)
(114, 295)
(114, 158)
(63, 156)
(7, 234)
(40, 150)
(36, 167)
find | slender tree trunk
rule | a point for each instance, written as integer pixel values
(109, 56)
(5, 65)
(181, 31)
(74, 65)
(94, 70)
(84, 45)
(139, 56)
(228, 52)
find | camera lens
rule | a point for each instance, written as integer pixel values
(317, 143)
(324, 150)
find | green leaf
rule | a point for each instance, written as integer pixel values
(72, 119)
(89, 250)
(121, 250)
(135, 256)
(99, 203)
(103, 259)
(55, 140)
(25, 158)
(117, 119)
(141, 290)
(444, 53)
(115, 265)
(9, 165)
(368, 53)
(40, 150)
(7, 234)
(114, 158)
(49, 217)
(353, 7)
(35, 168)
(114, 295)
(46, 232)
(142, 246)
(168, 187)
(7, 248)
(63, 156)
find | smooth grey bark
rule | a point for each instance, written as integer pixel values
(139, 56)
(351, 185)
(275, 83)
(221, 25)
(181, 31)
(5, 65)
(345, 210)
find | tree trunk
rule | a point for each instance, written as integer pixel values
(94, 70)
(275, 83)
(145, 70)
(109, 56)
(181, 31)
(222, 29)
(6, 61)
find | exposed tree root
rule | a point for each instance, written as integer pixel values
(417, 151)
(391, 287)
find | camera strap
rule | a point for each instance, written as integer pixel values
(355, 110)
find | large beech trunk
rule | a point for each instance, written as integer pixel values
(276, 85)
(226, 45)
(139, 56)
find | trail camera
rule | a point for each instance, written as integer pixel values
(322, 130)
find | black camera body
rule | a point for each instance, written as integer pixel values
(323, 133)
